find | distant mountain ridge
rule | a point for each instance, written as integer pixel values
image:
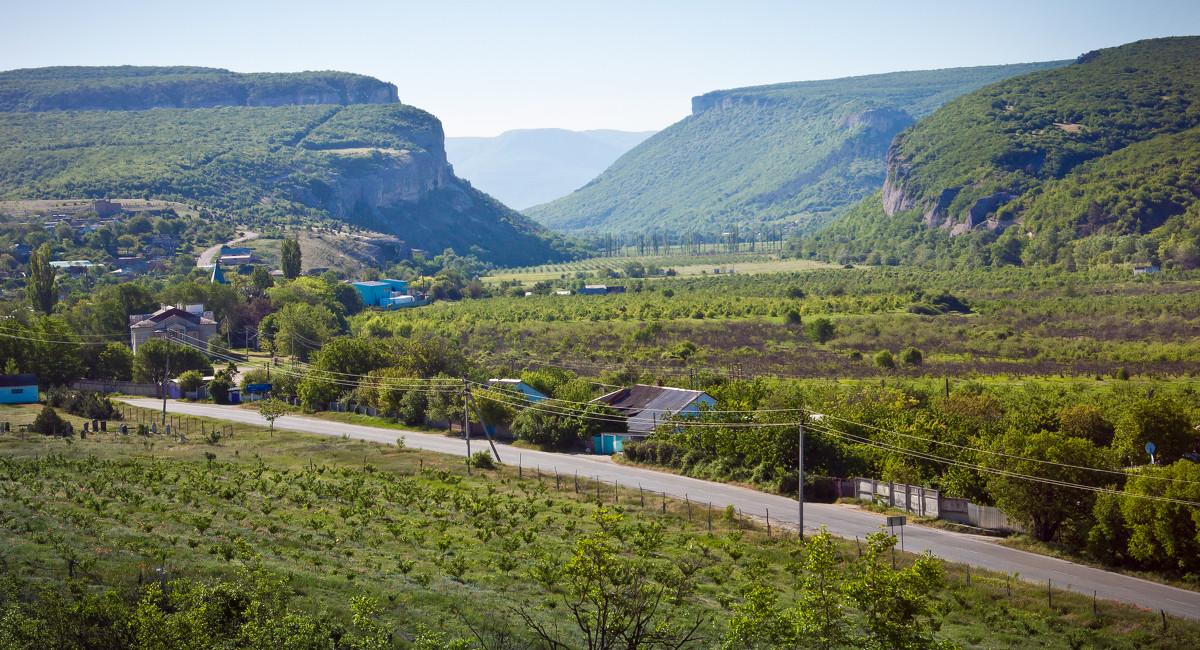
(288, 148)
(527, 167)
(796, 153)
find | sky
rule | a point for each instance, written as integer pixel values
(487, 67)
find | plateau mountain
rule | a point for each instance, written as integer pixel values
(795, 154)
(256, 148)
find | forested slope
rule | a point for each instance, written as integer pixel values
(1099, 162)
(796, 152)
(287, 149)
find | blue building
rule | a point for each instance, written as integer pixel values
(19, 389)
(387, 294)
(532, 394)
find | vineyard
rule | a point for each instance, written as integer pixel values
(313, 540)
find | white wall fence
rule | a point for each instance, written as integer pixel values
(926, 502)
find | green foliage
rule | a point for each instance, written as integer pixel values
(1045, 507)
(49, 422)
(190, 380)
(482, 460)
(820, 330)
(1097, 160)
(884, 360)
(84, 403)
(39, 286)
(289, 258)
(150, 361)
(911, 357)
(273, 409)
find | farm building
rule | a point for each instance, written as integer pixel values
(387, 294)
(646, 407)
(600, 290)
(19, 389)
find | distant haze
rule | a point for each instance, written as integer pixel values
(528, 167)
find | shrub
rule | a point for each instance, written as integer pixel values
(482, 460)
(820, 330)
(912, 357)
(792, 317)
(885, 360)
(84, 403)
(219, 389)
(49, 422)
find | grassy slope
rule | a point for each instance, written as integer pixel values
(344, 519)
(771, 154)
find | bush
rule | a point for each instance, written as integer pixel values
(256, 376)
(912, 357)
(49, 422)
(792, 317)
(885, 360)
(482, 460)
(820, 330)
(219, 389)
(190, 381)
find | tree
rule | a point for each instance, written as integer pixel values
(820, 330)
(820, 613)
(885, 360)
(618, 598)
(895, 604)
(1045, 507)
(261, 278)
(150, 361)
(39, 286)
(48, 422)
(273, 409)
(289, 258)
(1163, 421)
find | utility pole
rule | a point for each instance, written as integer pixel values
(166, 380)
(467, 421)
(800, 470)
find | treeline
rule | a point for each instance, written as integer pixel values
(1011, 447)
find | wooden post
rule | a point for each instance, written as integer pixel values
(710, 516)
(1049, 594)
(664, 502)
(768, 522)
(576, 481)
(689, 507)
(616, 493)
(641, 495)
(1095, 609)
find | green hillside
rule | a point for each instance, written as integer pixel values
(796, 152)
(1098, 161)
(337, 147)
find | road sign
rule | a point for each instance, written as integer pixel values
(258, 388)
(896, 521)
(1149, 447)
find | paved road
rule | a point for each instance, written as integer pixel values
(842, 521)
(206, 258)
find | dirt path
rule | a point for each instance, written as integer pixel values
(206, 258)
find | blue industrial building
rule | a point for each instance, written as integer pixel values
(19, 389)
(388, 294)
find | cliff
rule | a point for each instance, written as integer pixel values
(260, 148)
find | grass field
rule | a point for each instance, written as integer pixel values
(342, 518)
(682, 264)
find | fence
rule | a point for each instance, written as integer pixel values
(125, 387)
(926, 502)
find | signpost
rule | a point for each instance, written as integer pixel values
(1150, 450)
(892, 522)
(258, 388)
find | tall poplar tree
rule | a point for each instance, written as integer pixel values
(40, 286)
(289, 258)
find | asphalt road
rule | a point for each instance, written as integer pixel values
(841, 520)
(205, 259)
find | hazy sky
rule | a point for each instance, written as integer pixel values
(486, 67)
